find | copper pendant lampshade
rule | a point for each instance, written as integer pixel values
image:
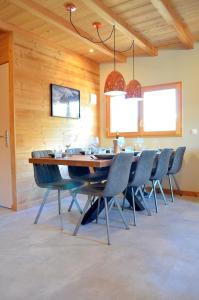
(115, 84)
(134, 88)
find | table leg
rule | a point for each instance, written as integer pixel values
(91, 213)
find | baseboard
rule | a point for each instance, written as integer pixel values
(183, 193)
(176, 192)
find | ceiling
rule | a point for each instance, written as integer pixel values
(152, 24)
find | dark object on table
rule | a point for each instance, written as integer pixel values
(53, 155)
(104, 156)
(82, 152)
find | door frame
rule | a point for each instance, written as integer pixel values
(8, 58)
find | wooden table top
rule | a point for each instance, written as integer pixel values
(74, 160)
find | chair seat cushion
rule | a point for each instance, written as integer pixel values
(93, 177)
(92, 189)
(64, 184)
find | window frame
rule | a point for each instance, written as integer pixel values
(141, 132)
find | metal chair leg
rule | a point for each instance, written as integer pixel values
(71, 204)
(59, 206)
(145, 205)
(177, 185)
(121, 214)
(134, 213)
(162, 192)
(124, 199)
(74, 200)
(41, 206)
(59, 202)
(107, 220)
(155, 196)
(111, 204)
(77, 204)
(171, 188)
(82, 215)
(151, 192)
(98, 206)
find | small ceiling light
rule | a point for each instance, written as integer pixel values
(134, 88)
(70, 7)
(91, 50)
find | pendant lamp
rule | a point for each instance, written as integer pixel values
(115, 83)
(134, 88)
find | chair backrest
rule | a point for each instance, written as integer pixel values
(73, 171)
(45, 174)
(74, 150)
(162, 165)
(118, 175)
(176, 160)
(143, 169)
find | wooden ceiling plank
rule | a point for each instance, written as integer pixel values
(45, 14)
(104, 12)
(47, 42)
(172, 18)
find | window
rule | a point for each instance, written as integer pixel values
(159, 114)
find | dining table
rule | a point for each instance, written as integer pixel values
(92, 162)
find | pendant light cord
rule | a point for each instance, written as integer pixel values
(87, 38)
(133, 59)
(100, 41)
(114, 44)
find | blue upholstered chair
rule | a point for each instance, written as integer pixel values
(174, 168)
(84, 174)
(49, 178)
(159, 173)
(140, 177)
(116, 183)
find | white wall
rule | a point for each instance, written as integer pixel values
(168, 66)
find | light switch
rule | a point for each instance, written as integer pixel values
(194, 131)
(93, 99)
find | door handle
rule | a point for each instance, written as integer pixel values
(6, 137)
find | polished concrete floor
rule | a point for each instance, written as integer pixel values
(158, 259)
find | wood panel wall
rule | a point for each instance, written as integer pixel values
(36, 66)
(4, 47)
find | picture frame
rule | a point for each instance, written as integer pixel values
(65, 102)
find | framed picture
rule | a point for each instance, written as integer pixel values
(65, 102)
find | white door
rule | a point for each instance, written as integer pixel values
(5, 157)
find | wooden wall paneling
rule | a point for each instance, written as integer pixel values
(4, 48)
(35, 67)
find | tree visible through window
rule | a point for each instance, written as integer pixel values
(159, 114)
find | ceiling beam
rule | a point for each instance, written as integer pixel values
(172, 18)
(48, 16)
(108, 15)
